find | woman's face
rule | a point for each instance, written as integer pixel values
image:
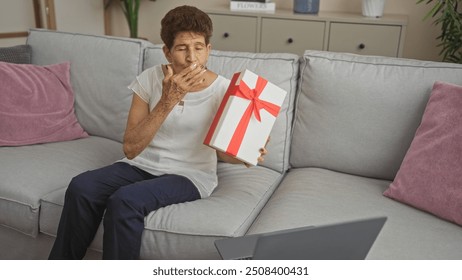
(188, 48)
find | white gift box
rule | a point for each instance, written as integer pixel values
(245, 117)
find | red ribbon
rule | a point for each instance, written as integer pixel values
(242, 90)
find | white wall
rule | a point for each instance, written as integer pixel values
(81, 16)
(420, 38)
(15, 16)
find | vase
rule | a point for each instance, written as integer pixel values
(306, 6)
(373, 8)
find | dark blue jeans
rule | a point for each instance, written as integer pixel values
(124, 195)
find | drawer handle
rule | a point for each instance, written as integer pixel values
(361, 46)
(290, 40)
(226, 35)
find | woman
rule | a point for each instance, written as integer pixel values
(166, 162)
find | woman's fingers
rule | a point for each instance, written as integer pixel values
(193, 73)
(176, 86)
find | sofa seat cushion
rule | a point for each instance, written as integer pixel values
(188, 230)
(358, 114)
(313, 196)
(30, 172)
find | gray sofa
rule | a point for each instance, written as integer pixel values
(337, 144)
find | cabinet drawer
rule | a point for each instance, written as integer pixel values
(293, 36)
(234, 33)
(364, 39)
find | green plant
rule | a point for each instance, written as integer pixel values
(131, 10)
(446, 13)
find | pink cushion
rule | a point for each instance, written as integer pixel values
(36, 104)
(430, 176)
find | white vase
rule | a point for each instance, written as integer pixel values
(373, 8)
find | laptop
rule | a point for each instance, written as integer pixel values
(341, 241)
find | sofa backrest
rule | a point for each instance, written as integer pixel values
(358, 114)
(280, 69)
(101, 69)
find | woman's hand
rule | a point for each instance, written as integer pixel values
(176, 86)
(263, 151)
(229, 159)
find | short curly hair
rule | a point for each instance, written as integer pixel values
(185, 19)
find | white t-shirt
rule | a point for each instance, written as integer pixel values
(178, 147)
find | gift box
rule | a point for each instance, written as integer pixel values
(245, 117)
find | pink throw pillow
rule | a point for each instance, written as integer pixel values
(36, 104)
(430, 176)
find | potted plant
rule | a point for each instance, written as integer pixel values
(130, 9)
(447, 14)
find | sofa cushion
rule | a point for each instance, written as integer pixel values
(358, 114)
(30, 172)
(188, 230)
(280, 69)
(430, 177)
(37, 104)
(20, 54)
(102, 68)
(313, 196)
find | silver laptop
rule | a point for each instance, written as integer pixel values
(342, 241)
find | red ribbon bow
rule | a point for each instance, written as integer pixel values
(256, 104)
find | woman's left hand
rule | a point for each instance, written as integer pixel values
(229, 159)
(263, 151)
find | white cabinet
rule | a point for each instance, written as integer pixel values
(231, 33)
(285, 31)
(364, 39)
(295, 36)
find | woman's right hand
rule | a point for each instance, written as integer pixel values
(176, 86)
